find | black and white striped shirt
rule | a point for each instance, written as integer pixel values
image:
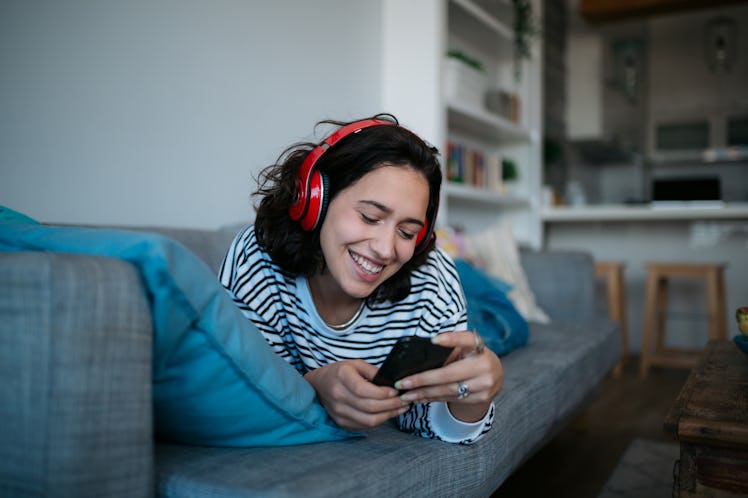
(281, 306)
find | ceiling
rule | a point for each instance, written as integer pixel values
(603, 11)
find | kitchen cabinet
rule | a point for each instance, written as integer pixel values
(439, 96)
(698, 102)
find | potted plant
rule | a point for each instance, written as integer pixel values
(465, 79)
(509, 174)
(525, 29)
(509, 170)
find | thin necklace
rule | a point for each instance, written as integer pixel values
(350, 321)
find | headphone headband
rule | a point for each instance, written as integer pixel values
(305, 188)
(311, 199)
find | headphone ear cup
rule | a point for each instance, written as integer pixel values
(316, 205)
(298, 207)
(424, 236)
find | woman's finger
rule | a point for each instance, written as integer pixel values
(468, 342)
(481, 374)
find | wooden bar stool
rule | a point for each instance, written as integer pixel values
(658, 277)
(615, 287)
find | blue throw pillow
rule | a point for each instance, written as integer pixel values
(215, 380)
(490, 311)
(11, 216)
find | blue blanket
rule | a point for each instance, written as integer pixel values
(215, 379)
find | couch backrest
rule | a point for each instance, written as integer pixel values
(563, 283)
(75, 377)
(209, 245)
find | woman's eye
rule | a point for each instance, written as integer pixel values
(368, 219)
(407, 235)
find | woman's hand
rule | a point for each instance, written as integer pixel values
(351, 399)
(469, 382)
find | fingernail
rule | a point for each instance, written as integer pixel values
(406, 398)
(398, 385)
(435, 339)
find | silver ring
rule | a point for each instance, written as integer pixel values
(462, 390)
(480, 344)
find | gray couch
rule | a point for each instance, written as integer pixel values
(76, 411)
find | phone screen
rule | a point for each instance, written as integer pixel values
(410, 355)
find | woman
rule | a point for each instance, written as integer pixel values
(341, 262)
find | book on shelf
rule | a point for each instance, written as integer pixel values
(473, 167)
(493, 173)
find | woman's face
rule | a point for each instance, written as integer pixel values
(370, 230)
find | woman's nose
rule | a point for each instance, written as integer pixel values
(383, 244)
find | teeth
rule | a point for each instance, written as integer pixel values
(366, 264)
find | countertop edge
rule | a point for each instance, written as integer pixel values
(621, 212)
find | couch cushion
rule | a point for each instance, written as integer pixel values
(497, 251)
(75, 376)
(215, 379)
(543, 385)
(563, 283)
(208, 245)
(490, 312)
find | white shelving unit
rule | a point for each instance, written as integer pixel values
(416, 90)
(484, 196)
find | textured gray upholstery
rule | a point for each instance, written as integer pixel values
(544, 385)
(210, 246)
(561, 281)
(75, 357)
(75, 370)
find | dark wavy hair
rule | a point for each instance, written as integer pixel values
(297, 251)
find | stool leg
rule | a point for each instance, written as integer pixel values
(649, 309)
(721, 304)
(662, 300)
(716, 305)
(624, 315)
(617, 307)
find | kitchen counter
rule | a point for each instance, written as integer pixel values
(638, 234)
(645, 212)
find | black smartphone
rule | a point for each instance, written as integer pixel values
(410, 355)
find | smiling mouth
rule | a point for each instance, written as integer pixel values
(366, 265)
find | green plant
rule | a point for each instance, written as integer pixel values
(552, 150)
(470, 61)
(525, 29)
(509, 170)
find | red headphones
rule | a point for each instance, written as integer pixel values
(311, 199)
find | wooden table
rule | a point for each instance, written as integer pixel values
(710, 419)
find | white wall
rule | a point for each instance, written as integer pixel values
(160, 112)
(410, 57)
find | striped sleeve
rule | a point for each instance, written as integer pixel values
(438, 282)
(259, 288)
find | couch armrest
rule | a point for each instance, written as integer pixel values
(75, 377)
(563, 283)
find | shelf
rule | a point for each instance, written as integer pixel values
(484, 30)
(474, 24)
(457, 191)
(488, 20)
(484, 124)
